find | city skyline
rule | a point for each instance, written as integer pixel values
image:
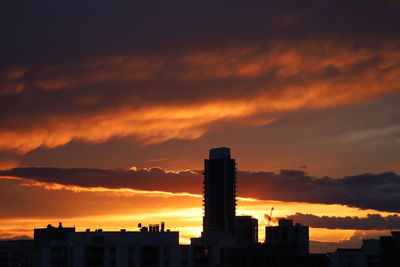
(370, 220)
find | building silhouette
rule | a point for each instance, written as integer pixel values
(219, 192)
(287, 234)
(382, 252)
(16, 253)
(246, 232)
(64, 247)
(390, 249)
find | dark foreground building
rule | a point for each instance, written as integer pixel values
(230, 240)
(16, 253)
(64, 247)
(246, 230)
(287, 234)
(219, 192)
(390, 249)
(382, 252)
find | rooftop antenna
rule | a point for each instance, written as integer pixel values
(270, 216)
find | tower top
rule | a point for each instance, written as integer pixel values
(220, 153)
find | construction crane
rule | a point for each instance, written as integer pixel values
(270, 216)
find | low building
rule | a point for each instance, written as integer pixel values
(351, 257)
(16, 253)
(371, 249)
(390, 249)
(246, 230)
(59, 246)
(287, 234)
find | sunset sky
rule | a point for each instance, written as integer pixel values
(108, 110)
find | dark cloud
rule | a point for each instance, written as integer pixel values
(98, 70)
(366, 191)
(57, 31)
(145, 179)
(371, 222)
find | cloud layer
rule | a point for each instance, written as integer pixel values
(145, 75)
(366, 191)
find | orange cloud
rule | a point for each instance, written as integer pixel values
(118, 191)
(274, 79)
(6, 163)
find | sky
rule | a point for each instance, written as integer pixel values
(108, 110)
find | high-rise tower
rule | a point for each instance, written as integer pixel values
(219, 192)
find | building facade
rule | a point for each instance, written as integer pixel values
(219, 192)
(16, 253)
(246, 231)
(289, 235)
(64, 247)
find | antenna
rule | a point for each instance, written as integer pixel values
(270, 216)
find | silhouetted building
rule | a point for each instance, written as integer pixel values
(390, 249)
(372, 252)
(287, 234)
(16, 253)
(263, 255)
(367, 256)
(351, 257)
(382, 252)
(246, 230)
(219, 192)
(53, 246)
(59, 246)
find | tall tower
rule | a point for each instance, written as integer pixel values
(219, 192)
